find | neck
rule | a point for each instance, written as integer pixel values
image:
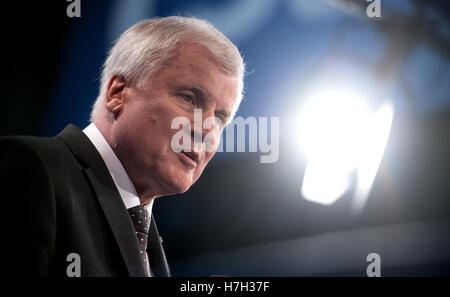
(144, 190)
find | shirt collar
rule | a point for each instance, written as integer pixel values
(120, 177)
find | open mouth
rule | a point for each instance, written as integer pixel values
(193, 156)
(190, 158)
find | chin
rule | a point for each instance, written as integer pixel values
(181, 188)
(179, 184)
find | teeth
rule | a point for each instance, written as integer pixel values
(188, 156)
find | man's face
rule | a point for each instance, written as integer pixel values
(142, 133)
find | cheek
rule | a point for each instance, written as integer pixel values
(148, 134)
(155, 122)
(208, 157)
(199, 170)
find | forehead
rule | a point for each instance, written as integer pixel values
(193, 65)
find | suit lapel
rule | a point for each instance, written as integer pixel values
(155, 251)
(120, 223)
(108, 196)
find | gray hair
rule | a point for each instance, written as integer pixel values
(142, 50)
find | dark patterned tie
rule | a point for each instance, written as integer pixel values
(141, 220)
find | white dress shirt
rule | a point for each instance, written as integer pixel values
(120, 177)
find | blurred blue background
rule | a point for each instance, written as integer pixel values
(247, 218)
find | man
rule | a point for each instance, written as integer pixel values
(82, 200)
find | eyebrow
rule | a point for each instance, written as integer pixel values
(200, 92)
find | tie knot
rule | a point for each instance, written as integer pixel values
(140, 217)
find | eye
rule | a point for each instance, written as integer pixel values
(220, 121)
(187, 98)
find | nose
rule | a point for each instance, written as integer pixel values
(205, 130)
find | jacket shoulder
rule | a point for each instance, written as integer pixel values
(48, 149)
(31, 142)
(48, 156)
(28, 185)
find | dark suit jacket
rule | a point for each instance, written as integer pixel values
(61, 199)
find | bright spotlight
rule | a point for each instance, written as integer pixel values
(331, 126)
(372, 153)
(324, 185)
(338, 135)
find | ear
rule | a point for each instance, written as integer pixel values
(114, 94)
